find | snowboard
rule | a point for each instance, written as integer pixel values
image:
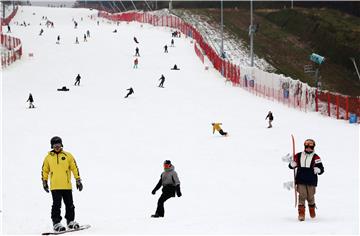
(82, 227)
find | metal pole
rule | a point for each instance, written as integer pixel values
(170, 5)
(357, 71)
(134, 5)
(222, 31)
(123, 5)
(251, 34)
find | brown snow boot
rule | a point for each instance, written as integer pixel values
(301, 210)
(312, 211)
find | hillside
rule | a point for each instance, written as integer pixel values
(287, 37)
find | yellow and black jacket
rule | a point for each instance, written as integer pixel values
(216, 126)
(59, 166)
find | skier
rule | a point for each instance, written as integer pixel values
(41, 31)
(271, 118)
(135, 39)
(58, 39)
(170, 182)
(166, 47)
(88, 33)
(76, 40)
(31, 100)
(85, 38)
(216, 126)
(308, 165)
(115, 31)
(75, 25)
(172, 42)
(77, 80)
(175, 67)
(131, 91)
(59, 164)
(137, 52)
(162, 80)
(136, 62)
(8, 29)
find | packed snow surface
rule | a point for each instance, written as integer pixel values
(230, 185)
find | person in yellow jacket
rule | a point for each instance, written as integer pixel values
(57, 167)
(216, 126)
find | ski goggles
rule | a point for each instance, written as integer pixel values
(309, 146)
(57, 145)
(167, 166)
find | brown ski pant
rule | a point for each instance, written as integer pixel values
(306, 192)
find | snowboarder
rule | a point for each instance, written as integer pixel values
(85, 38)
(216, 126)
(136, 62)
(271, 118)
(166, 48)
(137, 52)
(172, 42)
(58, 39)
(162, 80)
(308, 165)
(8, 29)
(31, 100)
(131, 91)
(170, 182)
(77, 80)
(175, 67)
(41, 31)
(59, 164)
(76, 40)
(135, 39)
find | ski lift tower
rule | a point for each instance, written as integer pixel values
(318, 60)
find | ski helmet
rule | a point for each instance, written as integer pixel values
(55, 140)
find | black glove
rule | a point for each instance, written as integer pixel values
(178, 192)
(79, 185)
(45, 186)
(153, 192)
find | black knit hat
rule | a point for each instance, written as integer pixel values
(55, 140)
(167, 162)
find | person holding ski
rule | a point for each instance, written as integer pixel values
(77, 80)
(137, 52)
(131, 91)
(170, 182)
(162, 80)
(59, 164)
(216, 126)
(271, 118)
(31, 100)
(309, 166)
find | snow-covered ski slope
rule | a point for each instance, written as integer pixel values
(230, 185)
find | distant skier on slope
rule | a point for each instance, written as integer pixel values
(175, 68)
(216, 126)
(135, 39)
(58, 165)
(131, 91)
(172, 43)
(308, 165)
(58, 39)
(162, 80)
(136, 62)
(77, 80)
(41, 32)
(271, 118)
(137, 52)
(31, 101)
(170, 182)
(85, 40)
(165, 49)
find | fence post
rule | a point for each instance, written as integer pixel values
(337, 106)
(328, 101)
(347, 107)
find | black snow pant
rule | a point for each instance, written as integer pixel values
(127, 95)
(222, 132)
(77, 82)
(168, 193)
(57, 196)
